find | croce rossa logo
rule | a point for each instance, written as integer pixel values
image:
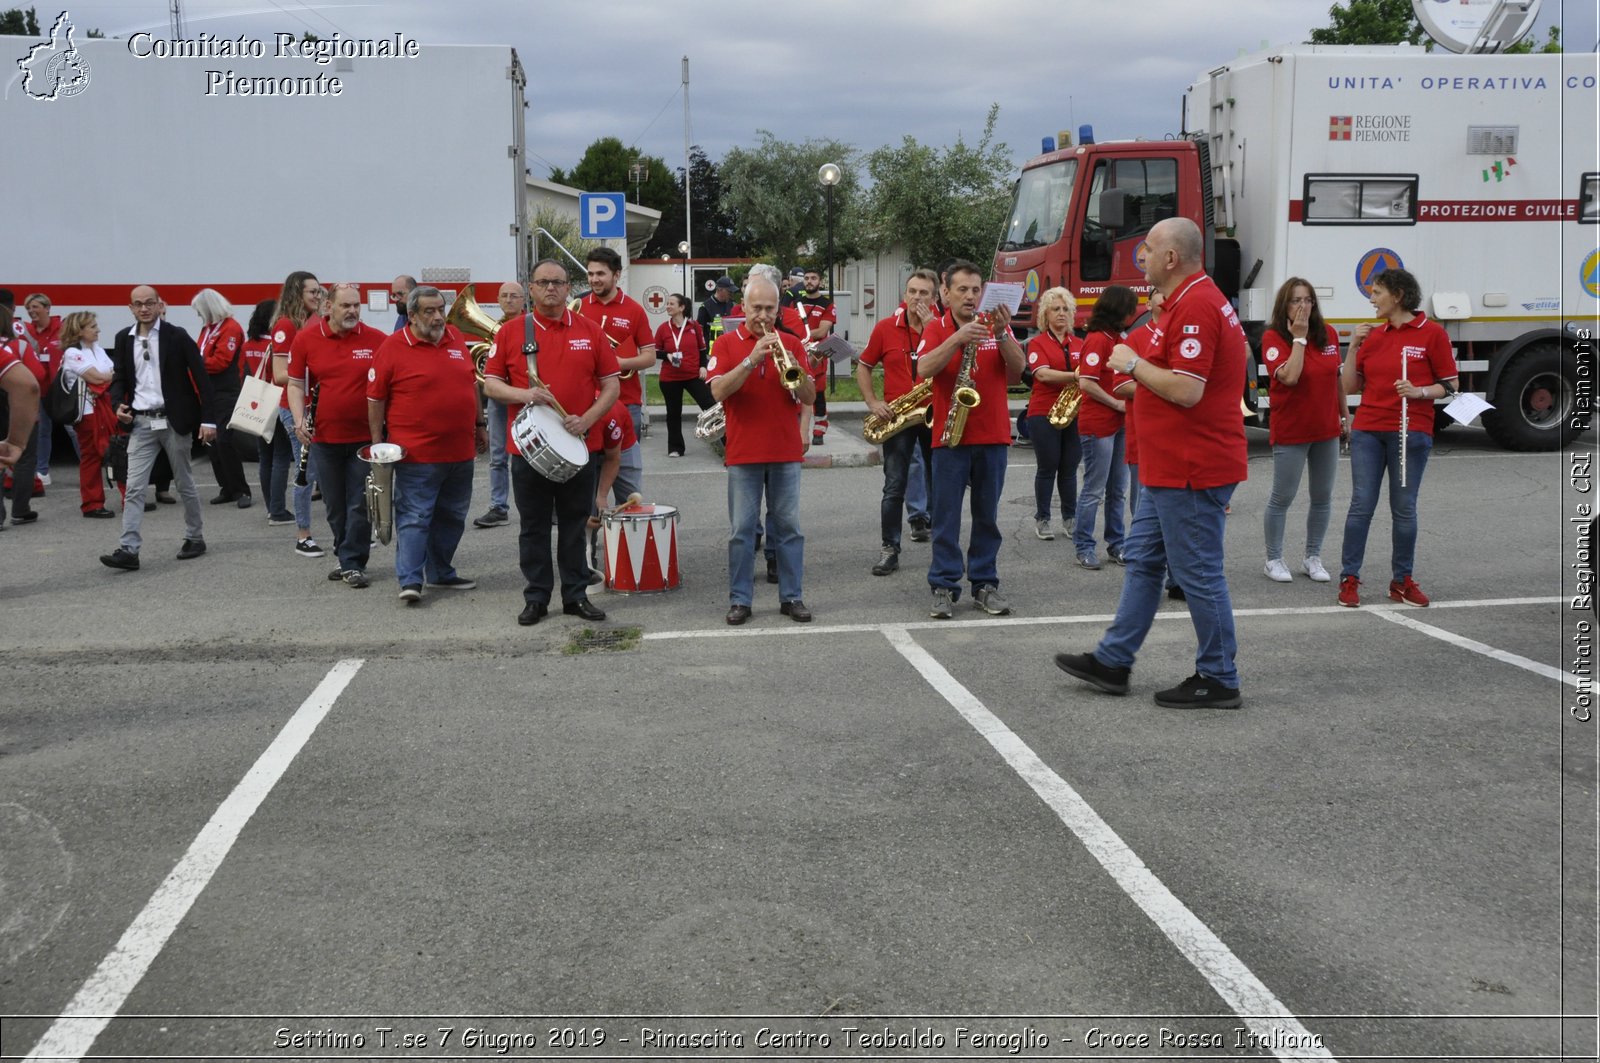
(55, 69)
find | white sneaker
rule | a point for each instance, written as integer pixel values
(1277, 571)
(1312, 566)
(44, 478)
(1042, 530)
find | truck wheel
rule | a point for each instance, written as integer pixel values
(1534, 401)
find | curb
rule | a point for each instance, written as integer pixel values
(842, 461)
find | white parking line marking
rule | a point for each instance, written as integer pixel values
(1252, 1001)
(1465, 643)
(72, 1035)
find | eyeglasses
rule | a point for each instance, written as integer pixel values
(549, 284)
(145, 304)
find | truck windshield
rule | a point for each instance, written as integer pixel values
(1040, 209)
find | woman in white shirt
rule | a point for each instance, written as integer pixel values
(84, 359)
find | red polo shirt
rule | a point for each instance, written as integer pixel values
(1204, 445)
(48, 340)
(432, 395)
(339, 364)
(1429, 359)
(685, 341)
(623, 320)
(893, 345)
(990, 422)
(1095, 418)
(1142, 339)
(763, 416)
(1044, 352)
(573, 359)
(1309, 411)
(612, 431)
(15, 352)
(254, 351)
(282, 337)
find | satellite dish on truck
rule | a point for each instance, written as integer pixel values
(1477, 25)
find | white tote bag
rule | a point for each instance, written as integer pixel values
(256, 410)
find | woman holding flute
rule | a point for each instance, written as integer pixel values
(1398, 367)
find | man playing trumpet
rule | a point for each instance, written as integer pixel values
(764, 447)
(893, 345)
(980, 358)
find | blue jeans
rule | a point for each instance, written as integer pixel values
(1058, 452)
(1371, 455)
(630, 477)
(1289, 460)
(283, 475)
(782, 488)
(430, 513)
(982, 468)
(1104, 475)
(1183, 528)
(344, 495)
(898, 454)
(499, 469)
(917, 478)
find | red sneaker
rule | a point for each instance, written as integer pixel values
(1349, 591)
(1407, 591)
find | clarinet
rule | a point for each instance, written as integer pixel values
(311, 426)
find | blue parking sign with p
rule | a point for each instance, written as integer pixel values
(602, 216)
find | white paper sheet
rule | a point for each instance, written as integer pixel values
(996, 294)
(1465, 408)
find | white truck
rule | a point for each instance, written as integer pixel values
(1477, 173)
(231, 162)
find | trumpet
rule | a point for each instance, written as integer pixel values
(965, 398)
(789, 370)
(913, 409)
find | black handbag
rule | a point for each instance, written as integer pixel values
(115, 461)
(63, 402)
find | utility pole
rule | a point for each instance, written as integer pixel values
(175, 17)
(688, 221)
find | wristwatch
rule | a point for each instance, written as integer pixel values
(751, 362)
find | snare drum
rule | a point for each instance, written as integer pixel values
(555, 453)
(641, 549)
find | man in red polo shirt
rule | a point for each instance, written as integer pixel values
(1191, 457)
(330, 357)
(624, 322)
(818, 316)
(578, 373)
(764, 450)
(893, 345)
(423, 395)
(978, 460)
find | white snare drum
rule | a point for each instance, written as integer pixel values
(555, 453)
(641, 549)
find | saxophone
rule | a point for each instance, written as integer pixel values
(1065, 409)
(913, 408)
(965, 398)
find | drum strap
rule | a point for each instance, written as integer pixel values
(528, 333)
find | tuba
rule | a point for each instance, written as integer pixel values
(380, 458)
(710, 426)
(913, 408)
(467, 316)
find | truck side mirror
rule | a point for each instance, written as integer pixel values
(1113, 208)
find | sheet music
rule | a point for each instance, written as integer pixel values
(997, 294)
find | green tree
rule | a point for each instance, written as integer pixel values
(1525, 46)
(609, 166)
(778, 205)
(939, 202)
(19, 23)
(1370, 22)
(713, 225)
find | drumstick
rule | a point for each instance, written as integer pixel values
(555, 404)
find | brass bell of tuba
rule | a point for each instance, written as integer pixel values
(468, 317)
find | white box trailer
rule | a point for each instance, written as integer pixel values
(232, 170)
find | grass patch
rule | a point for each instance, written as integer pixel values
(608, 639)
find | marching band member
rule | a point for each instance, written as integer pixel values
(818, 315)
(513, 303)
(335, 353)
(764, 449)
(1050, 358)
(298, 302)
(893, 344)
(577, 372)
(1100, 427)
(624, 322)
(978, 459)
(423, 395)
(1192, 457)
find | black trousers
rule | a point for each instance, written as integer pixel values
(22, 478)
(343, 476)
(672, 393)
(536, 498)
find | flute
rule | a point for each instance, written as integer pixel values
(1405, 419)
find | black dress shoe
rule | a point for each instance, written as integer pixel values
(585, 608)
(245, 501)
(738, 614)
(24, 518)
(532, 613)
(222, 499)
(796, 611)
(149, 506)
(166, 498)
(101, 514)
(126, 560)
(190, 549)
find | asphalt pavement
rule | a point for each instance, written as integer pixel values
(246, 812)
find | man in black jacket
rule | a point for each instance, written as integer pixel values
(161, 391)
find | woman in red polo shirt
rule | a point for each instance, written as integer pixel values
(1056, 450)
(679, 346)
(1100, 427)
(1301, 351)
(1404, 363)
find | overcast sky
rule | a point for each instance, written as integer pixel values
(866, 72)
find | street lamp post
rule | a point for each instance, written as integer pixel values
(829, 174)
(683, 250)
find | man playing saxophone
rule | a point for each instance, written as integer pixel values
(968, 358)
(893, 345)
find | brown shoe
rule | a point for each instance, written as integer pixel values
(796, 611)
(738, 614)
